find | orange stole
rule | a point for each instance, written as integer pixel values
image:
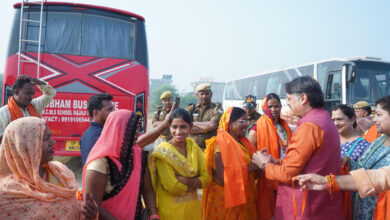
(267, 137)
(371, 134)
(214, 199)
(235, 167)
(16, 112)
(382, 206)
(347, 200)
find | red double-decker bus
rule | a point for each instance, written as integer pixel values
(81, 50)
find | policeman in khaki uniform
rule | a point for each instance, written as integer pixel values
(250, 107)
(161, 112)
(206, 115)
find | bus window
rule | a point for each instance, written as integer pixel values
(275, 83)
(63, 33)
(369, 85)
(362, 88)
(382, 82)
(259, 83)
(372, 81)
(229, 95)
(82, 34)
(293, 73)
(107, 37)
(307, 70)
(60, 34)
(323, 69)
(333, 90)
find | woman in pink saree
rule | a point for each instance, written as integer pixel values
(115, 169)
(31, 185)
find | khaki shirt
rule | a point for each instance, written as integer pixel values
(199, 115)
(253, 118)
(159, 115)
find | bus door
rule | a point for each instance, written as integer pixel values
(333, 89)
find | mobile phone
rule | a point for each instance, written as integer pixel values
(177, 101)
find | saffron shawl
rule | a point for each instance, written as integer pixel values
(235, 165)
(16, 112)
(126, 164)
(268, 137)
(23, 193)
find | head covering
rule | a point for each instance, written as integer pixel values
(236, 174)
(21, 187)
(116, 143)
(361, 104)
(203, 87)
(165, 95)
(264, 107)
(250, 102)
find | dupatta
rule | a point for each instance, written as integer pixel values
(268, 137)
(168, 154)
(23, 193)
(125, 162)
(235, 165)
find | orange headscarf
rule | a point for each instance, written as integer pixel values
(22, 191)
(16, 113)
(235, 165)
(268, 137)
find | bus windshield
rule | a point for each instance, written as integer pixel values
(372, 81)
(82, 34)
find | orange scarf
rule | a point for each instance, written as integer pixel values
(371, 134)
(382, 206)
(268, 137)
(235, 165)
(16, 112)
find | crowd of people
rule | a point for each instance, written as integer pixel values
(207, 163)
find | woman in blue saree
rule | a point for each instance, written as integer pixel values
(377, 156)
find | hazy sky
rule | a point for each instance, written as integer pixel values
(227, 39)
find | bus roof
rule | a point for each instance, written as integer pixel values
(364, 58)
(17, 5)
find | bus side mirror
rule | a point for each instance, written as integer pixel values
(351, 72)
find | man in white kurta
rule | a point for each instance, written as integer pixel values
(23, 93)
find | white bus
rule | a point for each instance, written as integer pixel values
(343, 81)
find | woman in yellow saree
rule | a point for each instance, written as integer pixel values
(232, 193)
(177, 170)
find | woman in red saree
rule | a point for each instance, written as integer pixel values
(273, 133)
(231, 193)
(115, 171)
